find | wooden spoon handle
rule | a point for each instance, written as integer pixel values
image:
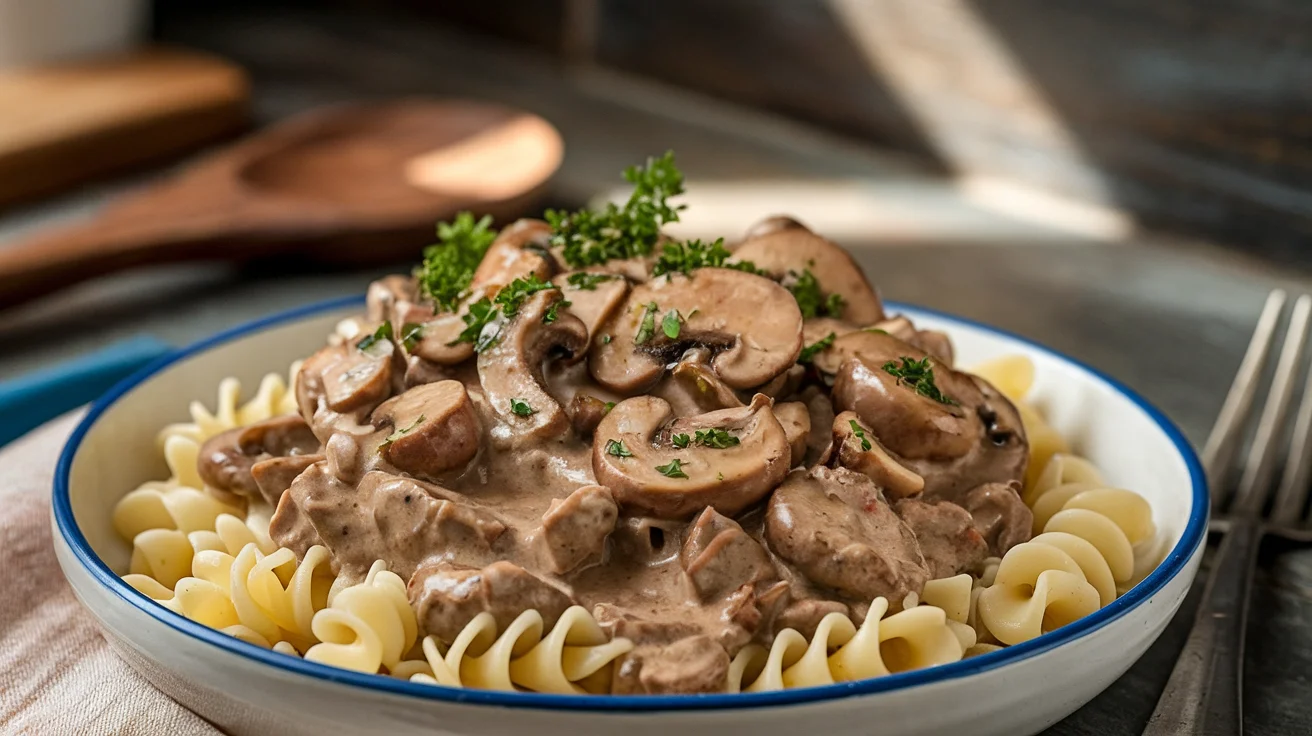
(55, 260)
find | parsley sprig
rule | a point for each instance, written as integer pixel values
(382, 334)
(587, 281)
(398, 434)
(716, 439)
(449, 265)
(686, 257)
(860, 434)
(486, 317)
(647, 326)
(672, 469)
(521, 408)
(617, 448)
(918, 375)
(819, 346)
(590, 238)
(812, 302)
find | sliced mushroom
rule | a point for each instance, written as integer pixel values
(634, 455)
(795, 418)
(434, 429)
(906, 422)
(865, 454)
(780, 250)
(585, 413)
(511, 370)
(519, 251)
(751, 324)
(594, 305)
(719, 557)
(385, 294)
(836, 527)
(976, 438)
(275, 475)
(574, 531)
(820, 328)
(1000, 515)
(344, 379)
(786, 383)
(226, 461)
(437, 339)
(821, 411)
(936, 343)
(692, 387)
(773, 224)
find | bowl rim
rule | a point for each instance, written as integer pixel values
(1174, 564)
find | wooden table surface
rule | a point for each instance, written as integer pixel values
(1171, 319)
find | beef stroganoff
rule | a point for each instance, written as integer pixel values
(577, 456)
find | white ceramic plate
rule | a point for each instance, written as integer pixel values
(248, 690)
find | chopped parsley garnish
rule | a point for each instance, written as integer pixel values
(819, 346)
(590, 238)
(689, 256)
(919, 375)
(398, 434)
(449, 265)
(812, 302)
(680, 440)
(617, 448)
(584, 281)
(553, 311)
(672, 469)
(647, 327)
(860, 434)
(876, 330)
(609, 405)
(520, 408)
(671, 324)
(717, 439)
(486, 317)
(719, 476)
(384, 332)
(411, 334)
(605, 339)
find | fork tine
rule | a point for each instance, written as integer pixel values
(1293, 491)
(1262, 456)
(1218, 454)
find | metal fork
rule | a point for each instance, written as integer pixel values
(1205, 693)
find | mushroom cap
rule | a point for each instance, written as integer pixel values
(512, 368)
(596, 305)
(344, 379)
(435, 428)
(795, 418)
(750, 322)
(912, 425)
(782, 249)
(896, 480)
(508, 258)
(728, 480)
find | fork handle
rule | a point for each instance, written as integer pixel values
(1205, 693)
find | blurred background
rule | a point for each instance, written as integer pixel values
(1123, 181)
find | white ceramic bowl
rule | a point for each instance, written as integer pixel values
(248, 690)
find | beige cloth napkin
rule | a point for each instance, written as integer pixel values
(57, 674)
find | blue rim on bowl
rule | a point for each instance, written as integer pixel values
(1174, 563)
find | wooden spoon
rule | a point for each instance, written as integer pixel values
(347, 185)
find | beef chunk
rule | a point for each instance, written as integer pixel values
(447, 596)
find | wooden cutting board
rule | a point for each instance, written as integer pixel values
(62, 125)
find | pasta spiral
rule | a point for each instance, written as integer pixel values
(839, 652)
(260, 598)
(365, 626)
(573, 658)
